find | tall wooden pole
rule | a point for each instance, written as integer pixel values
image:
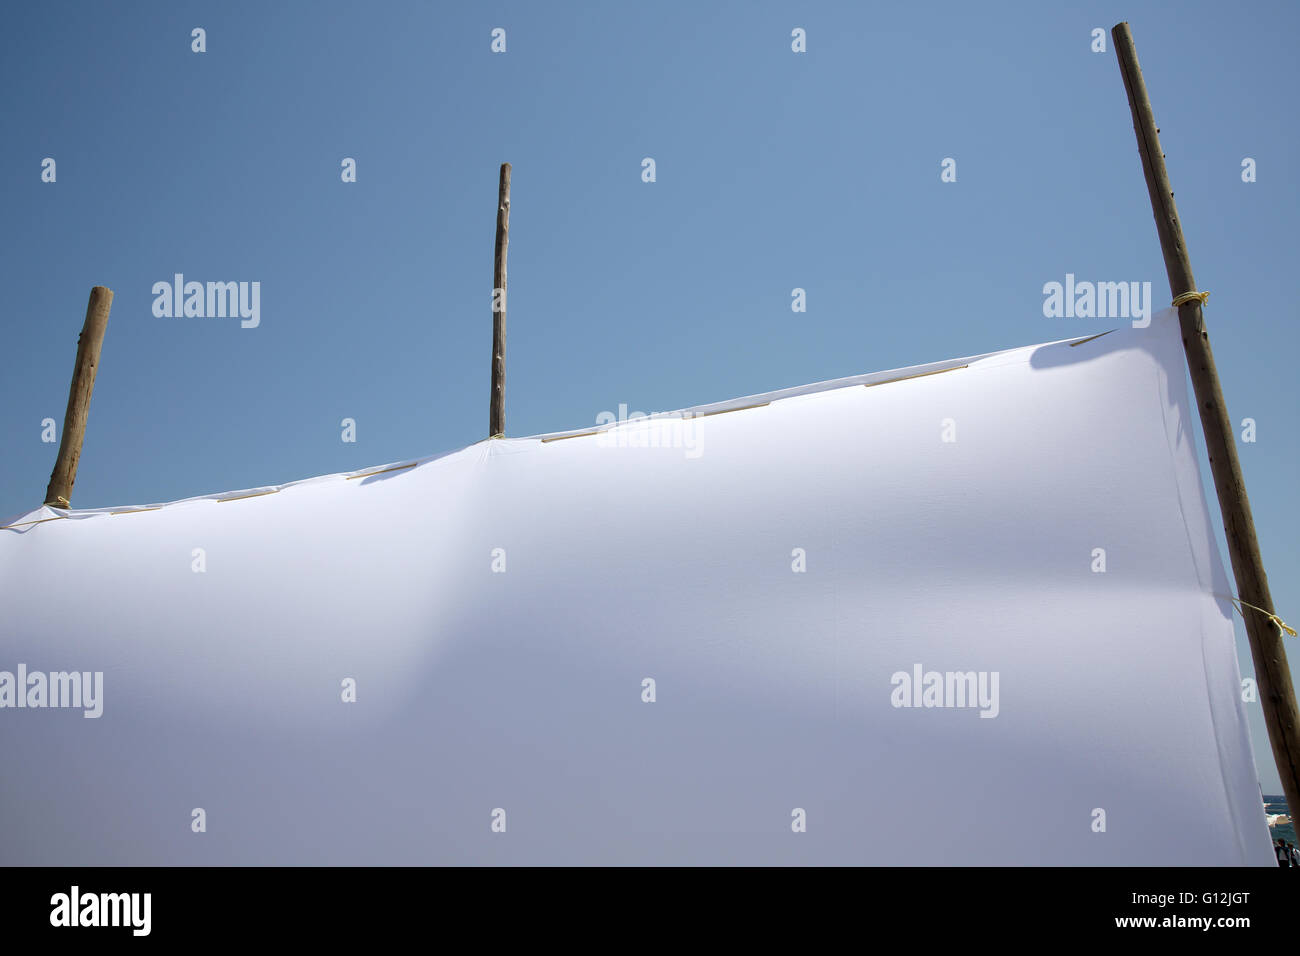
(59, 492)
(1271, 671)
(497, 409)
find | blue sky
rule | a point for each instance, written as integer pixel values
(775, 170)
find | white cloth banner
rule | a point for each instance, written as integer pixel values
(965, 614)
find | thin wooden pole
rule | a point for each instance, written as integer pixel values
(497, 408)
(59, 492)
(1272, 674)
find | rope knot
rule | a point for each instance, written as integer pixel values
(1204, 297)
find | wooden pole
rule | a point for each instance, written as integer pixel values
(1272, 674)
(497, 408)
(59, 492)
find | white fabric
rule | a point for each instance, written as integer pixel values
(521, 690)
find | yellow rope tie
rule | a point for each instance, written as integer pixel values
(1189, 296)
(1282, 625)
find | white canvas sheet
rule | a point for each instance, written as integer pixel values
(776, 691)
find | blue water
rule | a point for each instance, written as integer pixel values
(1275, 803)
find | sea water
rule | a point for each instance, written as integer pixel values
(1275, 803)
